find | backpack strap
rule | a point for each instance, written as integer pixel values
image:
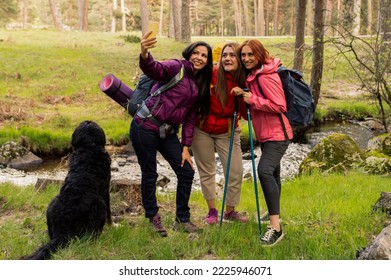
(279, 114)
(146, 114)
(171, 83)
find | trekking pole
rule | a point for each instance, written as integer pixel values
(231, 141)
(250, 131)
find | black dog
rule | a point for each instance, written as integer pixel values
(83, 204)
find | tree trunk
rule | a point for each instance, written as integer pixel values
(328, 18)
(261, 19)
(161, 17)
(56, 21)
(339, 16)
(300, 31)
(82, 11)
(123, 15)
(347, 15)
(385, 52)
(113, 12)
(176, 8)
(255, 17)
(221, 19)
(370, 17)
(171, 28)
(292, 17)
(85, 18)
(237, 17)
(310, 14)
(386, 6)
(185, 27)
(357, 17)
(144, 16)
(275, 21)
(25, 12)
(317, 58)
(247, 25)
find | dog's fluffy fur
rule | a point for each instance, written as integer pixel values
(83, 204)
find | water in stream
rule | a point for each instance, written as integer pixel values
(56, 168)
(360, 134)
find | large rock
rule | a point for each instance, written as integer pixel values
(380, 249)
(17, 155)
(386, 145)
(337, 152)
(378, 155)
(27, 161)
(11, 150)
(383, 203)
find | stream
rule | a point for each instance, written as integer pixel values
(125, 166)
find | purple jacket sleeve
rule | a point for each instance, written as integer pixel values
(160, 71)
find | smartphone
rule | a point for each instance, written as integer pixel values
(154, 27)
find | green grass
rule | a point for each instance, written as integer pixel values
(325, 217)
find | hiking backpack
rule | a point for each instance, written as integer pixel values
(298, 96)
(133, 100)
(143, 91)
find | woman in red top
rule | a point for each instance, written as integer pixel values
(213, 133)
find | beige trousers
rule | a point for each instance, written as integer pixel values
(204, 147)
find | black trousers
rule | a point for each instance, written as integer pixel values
(146, 144)
(269, 169)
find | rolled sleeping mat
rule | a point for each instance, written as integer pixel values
(116, 89)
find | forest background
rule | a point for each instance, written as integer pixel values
(206, 17)
(328, 222)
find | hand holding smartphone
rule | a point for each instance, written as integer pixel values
(154, 27)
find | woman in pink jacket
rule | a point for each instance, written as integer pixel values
(266, 99)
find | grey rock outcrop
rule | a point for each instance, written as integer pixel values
(17, 155)
(380, 249)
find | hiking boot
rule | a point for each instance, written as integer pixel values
(235, 217)
(157, 225)
(212, 217)
(186, 227)
(271, 237)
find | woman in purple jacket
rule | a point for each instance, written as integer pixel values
(267, 114)
(180, 105)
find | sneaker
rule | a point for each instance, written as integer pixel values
(235, 216)
(157, 225)
(212, 217)
(186, 227)
(271, 237)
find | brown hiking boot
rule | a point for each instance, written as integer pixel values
(157, 225)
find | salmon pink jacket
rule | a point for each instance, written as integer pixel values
(265, 111)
